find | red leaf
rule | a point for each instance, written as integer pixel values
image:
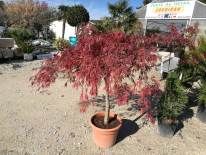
(138, 140)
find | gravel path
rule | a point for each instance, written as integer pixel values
(49, 122)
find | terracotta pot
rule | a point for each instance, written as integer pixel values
(105, 138)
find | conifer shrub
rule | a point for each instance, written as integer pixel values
(175, 101)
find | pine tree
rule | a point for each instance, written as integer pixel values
(176, 98)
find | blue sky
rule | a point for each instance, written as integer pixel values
(96, 8)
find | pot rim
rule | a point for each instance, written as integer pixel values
(167, 122)
(113, 129)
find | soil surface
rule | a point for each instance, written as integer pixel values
(49, 122)
(99, 122)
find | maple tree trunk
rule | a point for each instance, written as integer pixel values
(107, 108)
(63, 27)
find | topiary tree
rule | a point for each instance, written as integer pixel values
(76, 15)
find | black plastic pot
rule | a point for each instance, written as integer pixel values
(201, 112)
(166, 130)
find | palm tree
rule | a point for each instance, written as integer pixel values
(62, 15)
(121, 13)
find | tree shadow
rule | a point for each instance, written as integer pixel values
(128, 128)
(188, 112)
(179, 127)
(15, 62)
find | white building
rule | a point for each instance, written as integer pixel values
(56, 27)
(161, 13)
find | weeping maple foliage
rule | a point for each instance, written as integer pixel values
(111, 57)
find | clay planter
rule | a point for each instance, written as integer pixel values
(167, 129)
(201, 112)
(28, 56)
(105, 138)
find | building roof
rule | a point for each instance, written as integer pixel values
(199, 10)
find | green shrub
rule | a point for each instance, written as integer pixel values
(59, 43)
(20, 35)
(26, 47)
(176, 98)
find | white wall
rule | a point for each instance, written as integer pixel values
(56, 27)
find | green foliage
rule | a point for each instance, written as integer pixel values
(193, 67)
(201, 96)
(62, 12)
(136, 28)
(52, 36)
(20, 35)
(122, 14)
(26, 47)
(61, 15)
(203, 1)
(76, 15)
(46, 16)
(106, 23)
(145, 2)
(153, 31)
(60, 42)
(176, 98)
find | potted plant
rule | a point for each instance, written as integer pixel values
(27, 49)
(21, 37)
(193, 67)
(110, 57)
(170, 106)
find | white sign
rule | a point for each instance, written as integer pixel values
(170, 10)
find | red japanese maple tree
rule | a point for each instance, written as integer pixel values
(111, 57)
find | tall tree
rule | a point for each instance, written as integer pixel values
(76, 15)
(121, 13)
(61, 15)
(45, 18)
(22, 10)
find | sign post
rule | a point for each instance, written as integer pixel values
(170, 10)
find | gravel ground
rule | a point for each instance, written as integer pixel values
(49, 122)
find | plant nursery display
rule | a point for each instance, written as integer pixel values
(113, 58)
(110, 57)
(171, 106)
(193, 67)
